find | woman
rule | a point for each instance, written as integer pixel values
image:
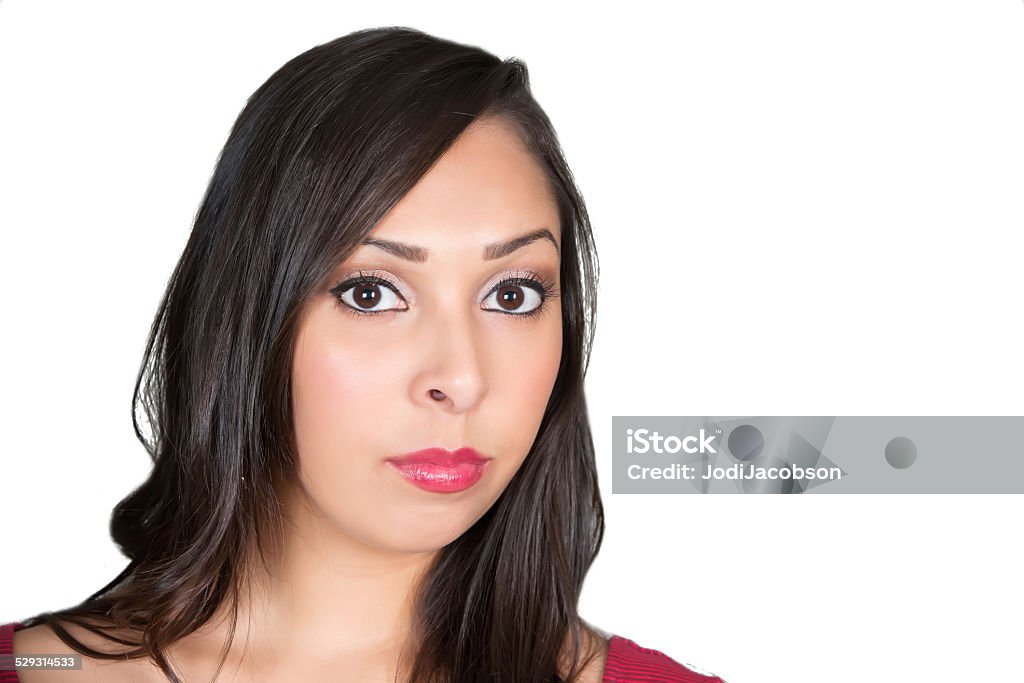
(363, 395)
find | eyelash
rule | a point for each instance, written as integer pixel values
(542, 285)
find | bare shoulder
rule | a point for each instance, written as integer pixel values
(42, 640)
(595, 654)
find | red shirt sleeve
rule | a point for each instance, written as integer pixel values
(631, 663)
(7, 648)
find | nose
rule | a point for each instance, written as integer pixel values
(452, 352)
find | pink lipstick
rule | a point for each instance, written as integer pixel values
(441, 471)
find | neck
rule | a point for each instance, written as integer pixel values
(326, 595)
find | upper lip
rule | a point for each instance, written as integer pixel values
(441, 456)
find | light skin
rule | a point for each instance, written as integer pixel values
(449, 362)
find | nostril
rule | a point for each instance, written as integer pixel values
(436, 395)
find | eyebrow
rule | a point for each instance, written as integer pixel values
(495, 250)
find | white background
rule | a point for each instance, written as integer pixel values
(802, 208)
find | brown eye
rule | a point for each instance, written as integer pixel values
(511, 297)
(368, 294)
(516, 298)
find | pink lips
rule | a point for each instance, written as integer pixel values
(441, 471)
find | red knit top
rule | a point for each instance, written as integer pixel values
(627, 663)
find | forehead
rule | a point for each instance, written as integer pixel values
(486, 187)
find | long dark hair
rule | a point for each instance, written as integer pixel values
(319, 154)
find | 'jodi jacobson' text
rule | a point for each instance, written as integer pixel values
(735, 471)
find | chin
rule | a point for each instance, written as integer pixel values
(410, 542)
(424, 531)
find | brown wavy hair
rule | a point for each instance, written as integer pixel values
(319, 154)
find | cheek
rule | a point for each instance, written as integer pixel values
(341, 394)
(523, 386)
(336, 389)
(342, 376)
(343, 399)
(540, 371)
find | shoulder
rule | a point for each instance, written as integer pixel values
(595, 654)
(41, 639)
(629, 661)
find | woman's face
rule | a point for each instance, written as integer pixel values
(437, 352)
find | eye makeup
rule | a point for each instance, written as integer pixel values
(374, 286)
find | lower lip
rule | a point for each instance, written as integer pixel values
(438, 478)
